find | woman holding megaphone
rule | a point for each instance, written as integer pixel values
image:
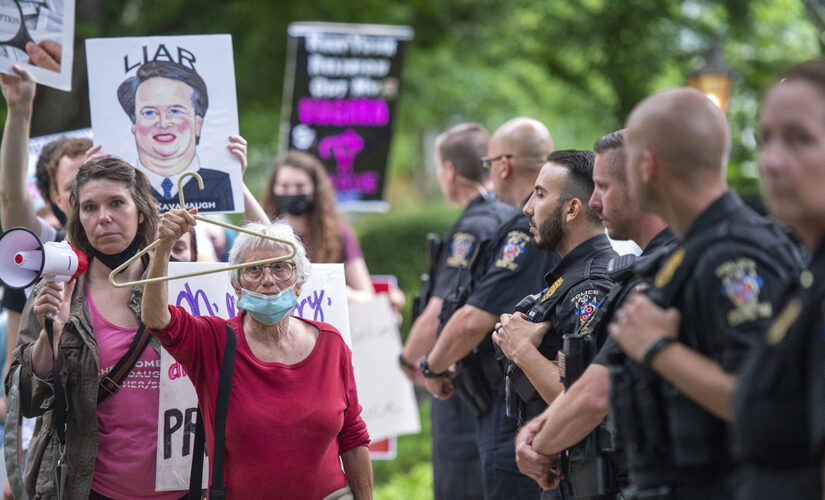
(109, 376)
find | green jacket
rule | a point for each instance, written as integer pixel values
(80, 374)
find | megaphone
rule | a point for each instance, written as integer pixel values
(24, 258)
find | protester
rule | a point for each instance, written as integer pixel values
(112, 216)
(299, 371)
(300, 191)
(709, 302)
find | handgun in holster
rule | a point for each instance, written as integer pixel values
(478, 379)
(420, 301)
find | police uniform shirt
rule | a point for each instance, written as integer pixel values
(477, 224)
(773, 424)
(590, 258)
(512, 267)
(663, 238)
(726, 301)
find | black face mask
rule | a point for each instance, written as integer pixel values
(293, 204)
(61, 217)
(115, 261)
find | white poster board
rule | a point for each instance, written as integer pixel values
(387, 397)
(38, 35)
(167, 105)
(323, 298)
(36, 145)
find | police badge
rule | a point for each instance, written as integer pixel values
(461, 250)
(585, 303)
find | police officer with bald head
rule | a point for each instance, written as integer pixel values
(708, 302)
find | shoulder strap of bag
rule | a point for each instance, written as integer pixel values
(11, 448)
(217, 490)
(110, 384)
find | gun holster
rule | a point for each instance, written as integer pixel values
(477, 381)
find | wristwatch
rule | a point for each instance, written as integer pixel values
(425, 369)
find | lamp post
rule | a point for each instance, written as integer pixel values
(714, 79)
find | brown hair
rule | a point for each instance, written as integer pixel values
(812, 72)
(117, 170)
(72, 148)
(464, 145)
(323, 217)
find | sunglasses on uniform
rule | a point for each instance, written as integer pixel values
(281, 271)
(487, 162)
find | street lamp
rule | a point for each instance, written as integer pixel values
(714, 79)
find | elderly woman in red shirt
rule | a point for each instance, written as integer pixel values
(293, 407)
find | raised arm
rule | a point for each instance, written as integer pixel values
(253, 211)
(154, 308)
(16, 203)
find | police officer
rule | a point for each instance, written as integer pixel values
(580, 411)
(458, 152)
(778, 416)
(509, 266)
(710, 301)
(530, 338)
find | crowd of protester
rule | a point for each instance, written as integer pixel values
(558, 368)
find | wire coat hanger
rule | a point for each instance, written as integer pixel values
(198, 273)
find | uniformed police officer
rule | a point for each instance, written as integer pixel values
(560, 220)
(510, 266)
(778, 417)
(463, 180)
(580, 411)
(710, 301)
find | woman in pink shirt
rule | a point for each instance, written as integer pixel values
(293, 416)
(111, 444)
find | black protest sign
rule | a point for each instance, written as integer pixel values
(341, 86)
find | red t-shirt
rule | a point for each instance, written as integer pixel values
(287, 424)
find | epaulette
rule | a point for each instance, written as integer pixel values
(621, 268)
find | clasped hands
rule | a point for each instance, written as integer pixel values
(516, 335)
(543, 469)
(640, 322)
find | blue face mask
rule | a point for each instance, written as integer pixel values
(268, 309)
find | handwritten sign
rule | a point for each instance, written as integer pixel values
(387, 397)
(323, 298)
(342, 81)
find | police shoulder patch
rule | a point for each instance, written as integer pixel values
(550, 291)
(585, 303)
(741, 283)
(461, 249)
(665, 274)
(514, 245)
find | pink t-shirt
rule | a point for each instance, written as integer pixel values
(127, 421)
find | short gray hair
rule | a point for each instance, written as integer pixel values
(278, 229)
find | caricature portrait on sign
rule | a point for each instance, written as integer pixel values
(38, 35)
(178, 108)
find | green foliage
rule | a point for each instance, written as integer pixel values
(396, 244)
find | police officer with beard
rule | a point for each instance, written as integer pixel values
(458, 153)
(709, 302)
(576, 420)
(530, 338)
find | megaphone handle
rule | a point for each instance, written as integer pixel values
(52, 279)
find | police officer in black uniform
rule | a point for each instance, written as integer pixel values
(562, 221)
(710, 301)
(576, 419)
(778, 416)
(458, 153)
(501, 275)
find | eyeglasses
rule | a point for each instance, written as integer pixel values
(281, 271)
(487, 162)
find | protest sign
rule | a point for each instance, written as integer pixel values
(323, 298)
(38, 35)
(167, 105)
(384, 392)
(342, 82)
(35, 147)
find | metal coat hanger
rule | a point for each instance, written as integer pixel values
(198, 273)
